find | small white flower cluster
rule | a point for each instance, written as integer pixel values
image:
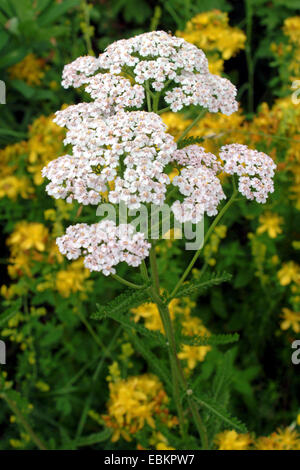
(111, 94)
(198, 183)
(104, 245)
(116, 91)
(196, 156)
(77, 72)
(209, 91)
(159, 58)
(129, 148)
(156, 55)
(254, 169)
(72, 177)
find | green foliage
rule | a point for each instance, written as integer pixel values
(196, 286)
(212, 340)
(190, 141)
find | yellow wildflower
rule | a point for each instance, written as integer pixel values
(193, 354)
(211, 32)
(72, 279)
(283, 439)
(42, 386)
(133, 402)
(13, 186)
(270, 223)
(290, 320)
(231, 440)
(290, 272)
(149, 312)
(31, 69)
(27, 236)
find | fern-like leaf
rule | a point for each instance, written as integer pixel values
(194, 286)
(212, 340)
(190, 141)
(217, 410)
(122, 303)
(130, 325)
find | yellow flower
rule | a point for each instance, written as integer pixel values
(211, 32)
(27, 236)
(193, 354)
(270, 223)
(163, 446)
(13, 186)
(290, 320)
(149, 312)
(231, 440)
(283, 439)
(133, 402)
(290, 272)
(72, 279)
(31, 69)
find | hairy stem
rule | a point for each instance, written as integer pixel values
(126, 283)
(178, 378)
(209, 232)
(195, 121)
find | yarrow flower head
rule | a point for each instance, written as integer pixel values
(202, 190)
(122, 154)
(198, 183)
(209, 91)
(77, 72)
(104, 245)
(196, 156)
(129, 148)
(156, 60)
(111, 94)
(255, 170)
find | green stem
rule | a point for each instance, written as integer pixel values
(148, 93)
(87, 28)
(209, 232)
(195, 121)
(126, 283)
(144, 272)
(164, 110)
(20, 417)
(248, 50)
(178, 378)
(172, 356)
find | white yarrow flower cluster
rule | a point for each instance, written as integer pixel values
(156, 55)
(198, 183)
(72, 177)
(255, 170)
(77, 72)
(104, 245)
(129, 148)
(122, 152)
(111, 94)
(159, 59)
(209, 91)
(196, 156)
